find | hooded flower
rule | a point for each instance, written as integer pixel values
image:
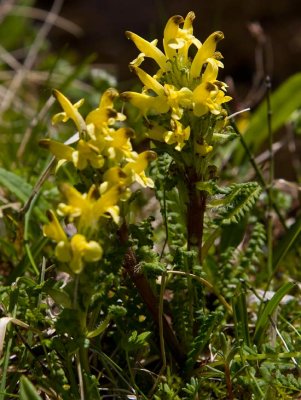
(87, 208)
(182, 83)
(75, 251)
(98, 138)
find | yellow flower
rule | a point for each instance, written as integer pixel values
(133, 171)
(86, 153)
(203, 149)
(54, 230)
(70, 111)
(101, 140)
(87, 208)
(82, 250)
(117, 145)
(181, 84)
(177, 135)
(75, 251)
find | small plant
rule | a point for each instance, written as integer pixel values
(137, 284)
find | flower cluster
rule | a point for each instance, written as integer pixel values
(185, 83)
(103, 143)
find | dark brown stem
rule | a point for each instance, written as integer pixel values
(195, 219)
(150, 300)
(228, 382)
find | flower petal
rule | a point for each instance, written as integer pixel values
(54, 230)
(71, 111)
(149, 49)
(146, 104)
(59, 150)
(148, 81)
(170, 34)
(204, 52)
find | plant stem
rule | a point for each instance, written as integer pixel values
(195, 219)
(270, 180)
(228, 382)
(161, 330)
(149, 298)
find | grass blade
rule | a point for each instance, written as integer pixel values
(268, 310)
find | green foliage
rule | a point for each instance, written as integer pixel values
(268, 310)
(282, 100)
(207, 324)
(238, 201)
(27, 390)
(162, 314)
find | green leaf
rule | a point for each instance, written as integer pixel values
(22, 190)
(61, 297)
(101, 328)
(15, 184)
(240, 313)
(270, 307)
(27, 390)
(283, 103)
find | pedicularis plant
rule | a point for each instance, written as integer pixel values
(143, 304)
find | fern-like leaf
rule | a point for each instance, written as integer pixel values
(240, 199)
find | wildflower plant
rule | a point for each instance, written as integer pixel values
(183, 108)
(151, 302)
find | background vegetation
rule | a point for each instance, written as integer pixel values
(224, 328)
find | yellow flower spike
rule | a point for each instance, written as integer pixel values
(149, 49)
(54, 230)
(60, 150)
(148, 81)
(170, 35)
(87, 154)
(70, 111)
(206, 51)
